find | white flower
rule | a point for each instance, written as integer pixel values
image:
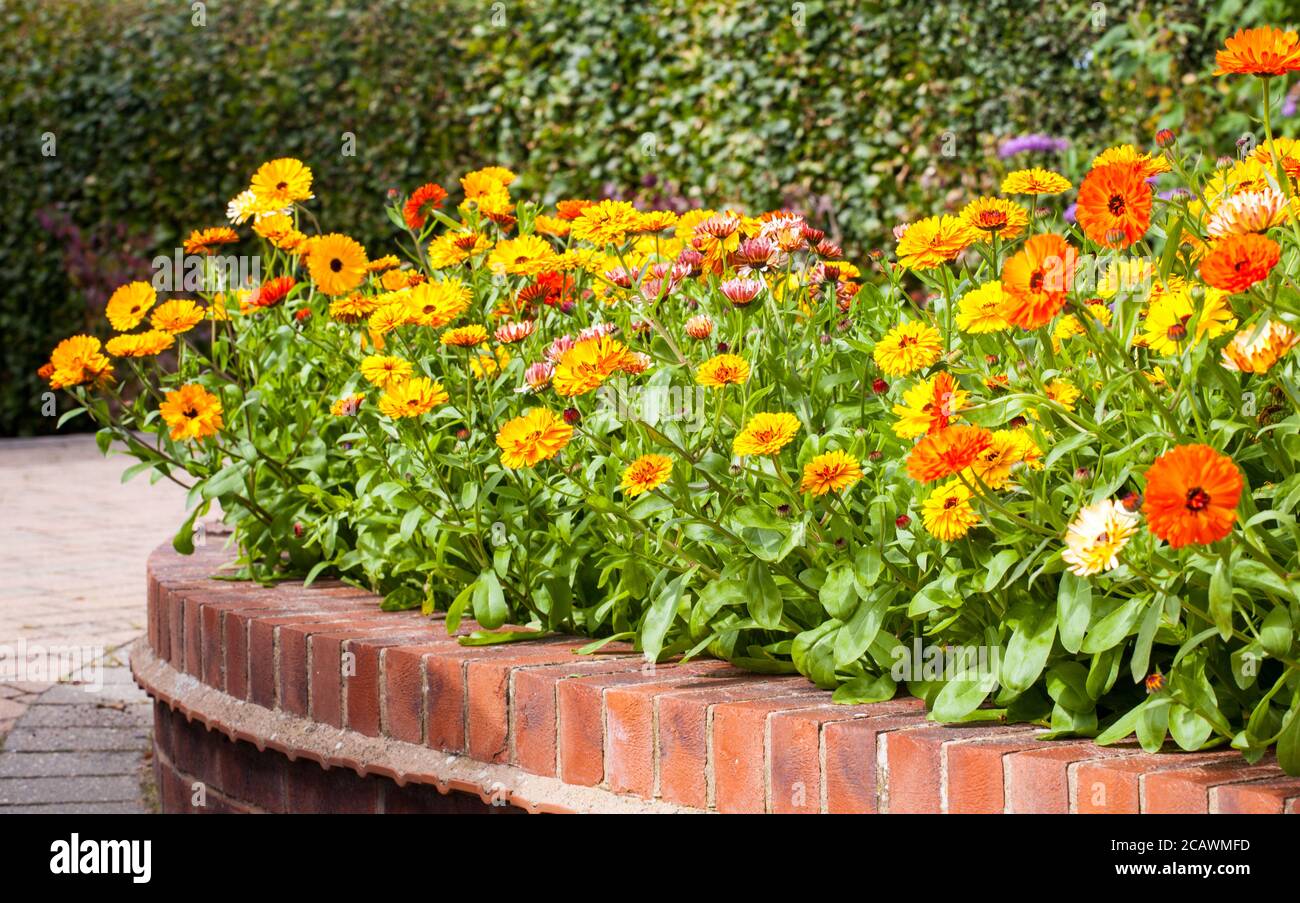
(1096, 536)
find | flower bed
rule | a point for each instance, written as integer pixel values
(1056, 485)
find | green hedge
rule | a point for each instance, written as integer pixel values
(867, 110)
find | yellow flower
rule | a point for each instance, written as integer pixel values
(645, 473)
(1165, 331)
(722, 370)
(411, 398)
(485, 363)
(606, 223)
(933, 241)
(656, 221)
(437, 302)
(452, 248)
(279, 183)
(1063, 392)
(947, 512)
(486, 181)
(142, 344)
(192, 412)
(385, 371)
(1035, 181)
(337, 263)
(993, 465)
(588, 364)
(765, 434)
(348, 405)
(387, 318)
(907, 348)
(527, 255)
(1129, 276)
(929, 406)
(980, 309)
(465, 336)
(1126, 153)
(77, 360)
(551, 225)
(353, 308)
(995, 216)
(1096, 536)
(835, 470)
(1256, 348)
(538, 435)
(176, 316)
(128, 305)
(279, 230)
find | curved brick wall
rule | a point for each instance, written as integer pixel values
(293, 699)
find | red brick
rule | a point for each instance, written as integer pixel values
(174, 606)
(975, 774)
(1187, 790)
(915, 761)
(262, 658)
(740, 751)
(1113, 785)
(361, 695)
(1038, 780)
(851, 750)
(193, 661)
(245, 775)
(1266, 797)
(404, 691)
(312, 789)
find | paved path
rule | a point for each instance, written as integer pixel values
(72, 596)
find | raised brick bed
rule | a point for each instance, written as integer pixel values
(293, 699)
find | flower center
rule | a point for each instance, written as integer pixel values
(1116, 205)
(336, 265)
(949, 503)
(191, 412)
(1197, 499)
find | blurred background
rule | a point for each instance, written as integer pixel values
(125, 124)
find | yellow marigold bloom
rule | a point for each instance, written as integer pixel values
(832, 471)
(995, 216)
(538, 435)
(176, 316)
(1165, 329)
(980, 309)
(192, 412)
(993, 465)
(465, 336)
(141, 344)
(1288, 149)
(606, 223)
(588, 364)
(907, 347)
(77, 360)
(527, 255)
(687, 222)
(354, 308)
(203, 241)
(385, 371)
(485, 363)
(929, 406)
(486, 181)
(765, 434)
(1096, 536)
(1149, 164)
(947, 512)
(1127, 276)
(411, 397)
(1243, 176)
(551, 225)
(437, 302)
(337, 263)
(452, 248)
(387, 262)
(722, 370)
(1256, 348)
(1029, 453)
(128, 304)
(646, 473)
(933, 241)
(281, 182)
(387, 318)
(656, 221)
(1070, 325)
(348, 405)
(1035, 181)
(1063, 392)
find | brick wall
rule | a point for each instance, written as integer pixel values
(257, 688)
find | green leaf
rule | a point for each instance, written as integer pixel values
(863, 690)
(1146, 634)
(1030, 645)
(183, 541)
(1221, 599)
(1073, 610)
(401, 599)
(498, 637)
(762, 596)
(838, 594)
(490, 600)
(1275, 632)
(661, 614)
(1113, 628)
(1288, 742)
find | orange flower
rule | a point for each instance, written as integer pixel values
(201, 241)
(1191, 497)
(423, 201)
(947, 452)
(1259, 51)
(1115, 205)
(1237, 262)
(1037, 279)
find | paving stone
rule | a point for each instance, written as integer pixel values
(75, 739)
(38, 716)
(78, 790)
(125, 808)
(67, 764)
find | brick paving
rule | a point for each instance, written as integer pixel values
(74, 728)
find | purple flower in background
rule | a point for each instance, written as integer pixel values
(1290, 101)
(1032, 144)
(1068, 215)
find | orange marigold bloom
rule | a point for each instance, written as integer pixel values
(531, 438)
(1035, 181)
(1237, 262)
(1115, 205)
(201, 241)
(192, 412)
(1191, 497)
(933, 241)
(995, 216)
(571, 209)
(1259, 51)
(422, 202)
(271, 293)
(646, 473)
(1258, 347)
(1037, 279)
(832, 471)
(947, 452)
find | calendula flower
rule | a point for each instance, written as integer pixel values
(1258, 347)
(947, 452)
(537, 377)
(1148, 165)
(1191, 495)
(1037, 279)
(140, 344)
(422, 202)
(1125, 277)
(656, 221)
(740, 291)
(465, 336)
(933, 241)
(385, 371)
(241, 207)
(833, 471)
(722, 370)
(202, 241)
(699, 327)
(1114, 207)
(1063, 392)
(551, 225)
(388, 317)
(1249, 211)
(487, 363)
(282, 182)
(765, 434)
(176, 316)
(537, 435)
(279, 230)
(645, 473)
(929, 406)
(980, 309)
(527, 255)
(1096, 536)
(1165, 328)
(1263, 51)
(515, 331)
(272, 292)
(1237, 262)
(353, 308)
(348, 405)
(192, 412)
(77, 360)
(337, 263)
(437, 302)
(993, 465)
(605, 223)
(995, 216)
(411, 397)
(588, 364)
(569, 209)
(908, 347)
(128, 304)
(1070, 325)
(452, 248)
(947, 512)
(1035, 181)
